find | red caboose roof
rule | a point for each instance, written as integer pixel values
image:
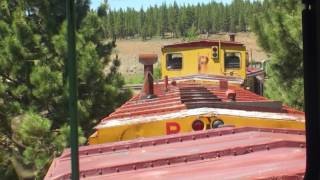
(224, 153)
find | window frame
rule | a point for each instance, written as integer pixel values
(167, 62)
(224, 59)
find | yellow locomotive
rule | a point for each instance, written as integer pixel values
(224, 58)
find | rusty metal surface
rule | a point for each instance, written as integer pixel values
(238, 153)
(148, 59)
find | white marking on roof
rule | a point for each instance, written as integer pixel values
(198, 112)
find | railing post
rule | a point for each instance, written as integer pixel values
(311, 63)
(72, 88)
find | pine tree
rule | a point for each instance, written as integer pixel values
(33, 82)
(163, 20)
(215, 18)
(242, 23)
(192, 33)
(176, 18)
(149, 24)
(202, 19)
(111, 25)
(279, 34)
(172, 20)
(102, 12)
(143, 26)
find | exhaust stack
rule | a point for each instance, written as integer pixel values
(148, 60)
(232, 37)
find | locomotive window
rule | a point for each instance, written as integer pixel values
(232, 60)
(174, 61)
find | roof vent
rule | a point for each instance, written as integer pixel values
(231, 94)
(223, 84)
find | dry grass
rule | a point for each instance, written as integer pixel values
(128, 50)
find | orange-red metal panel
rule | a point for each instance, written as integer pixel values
(228, 152)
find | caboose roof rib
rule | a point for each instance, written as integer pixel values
(245, 152)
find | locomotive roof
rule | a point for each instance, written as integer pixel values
(202, 43)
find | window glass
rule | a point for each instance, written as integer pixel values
(232, 60)
(174, 61)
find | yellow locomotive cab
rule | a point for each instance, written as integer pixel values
(204, 57)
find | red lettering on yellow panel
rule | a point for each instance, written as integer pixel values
(172, 128)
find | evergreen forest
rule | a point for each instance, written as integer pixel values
(33, 52)
(172, 20)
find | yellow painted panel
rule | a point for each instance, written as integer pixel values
(194, 62)
(180, 125)
(263, 123)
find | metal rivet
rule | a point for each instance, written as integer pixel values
(267, 147)
(100, 172)
(180, 139)
(134, 167)
(302, 145)
(117, 170)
